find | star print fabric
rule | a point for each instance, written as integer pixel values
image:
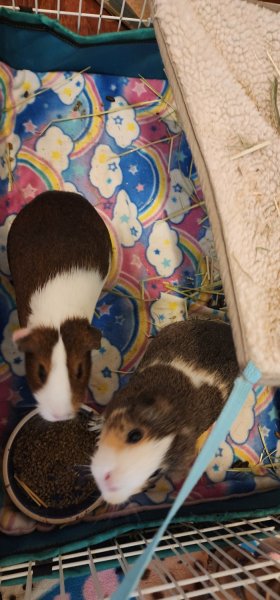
(135, 165)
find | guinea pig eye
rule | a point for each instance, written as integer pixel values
(42, 373)
(79, 371)
(134, 436)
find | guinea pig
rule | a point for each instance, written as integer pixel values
(59, 252)
(176, 394)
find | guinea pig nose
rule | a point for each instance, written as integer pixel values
(107, 476)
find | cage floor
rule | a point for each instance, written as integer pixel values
(117, 141)
(238, 559)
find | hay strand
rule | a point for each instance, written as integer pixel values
(265, 447)
(9, 166)
(97, 114)
(203, 220)
(43, 90)
(250, 150)
(276, 206)
(30, 493)
(207, 267)
(257, 469)
(182, 211)
(253, 468)
(150, 87)
(170, 154)
(274, 105)
(273, 63)
(129, 296)
(143, 146)
(122, 372)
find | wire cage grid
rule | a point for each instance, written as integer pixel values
(216, 561)
(231, 568)
(89, 16)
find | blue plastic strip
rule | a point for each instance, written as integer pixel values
(242, 386)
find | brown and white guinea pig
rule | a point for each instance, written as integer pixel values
(59, 252)
(175, 395)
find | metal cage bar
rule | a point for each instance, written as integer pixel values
(58, 9)
(220, 577)
(223, 574)
(98, 15)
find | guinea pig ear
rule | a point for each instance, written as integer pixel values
(149, 401)
(163, 403)
(154, 404)
(18, 334)
(93, 338)
(24, 340)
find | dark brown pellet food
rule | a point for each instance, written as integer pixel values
(53, 460)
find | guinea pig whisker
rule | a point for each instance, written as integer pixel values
(83, 474)
(108, 509)
(111, 508)
(119, 506)
(95, 424)
(88, 455)
(87, 475)
(70, 469)
(84, 467)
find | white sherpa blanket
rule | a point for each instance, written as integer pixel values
(218, 57)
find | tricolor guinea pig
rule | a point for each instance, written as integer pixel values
(59, 252)
(176, 394)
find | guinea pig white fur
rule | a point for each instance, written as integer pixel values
(59, 252)
(174, 396)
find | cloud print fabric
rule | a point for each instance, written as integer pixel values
(160, 242)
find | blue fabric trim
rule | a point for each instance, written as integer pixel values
(38, 43)
(241, 389)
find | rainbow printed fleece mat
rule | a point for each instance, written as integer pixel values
(132, 161)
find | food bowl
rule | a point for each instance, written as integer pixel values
(46, 468)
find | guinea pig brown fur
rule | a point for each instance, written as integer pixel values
(175, 395)
(59, 252)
